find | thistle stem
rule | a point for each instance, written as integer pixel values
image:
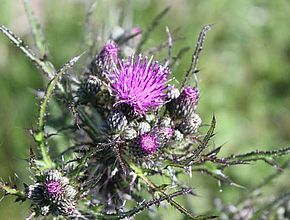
(152, 185)
(10, 191)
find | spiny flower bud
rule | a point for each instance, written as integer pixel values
(172, 92)
(103, 62)
(35, 192)
(177, 136)
(166, 122)
(185, 104)
(190, 124)
(164, 134)
(53, 195)
(115, 122)
(89, 87)
(129, 134)
(150, 117)
(144, 127)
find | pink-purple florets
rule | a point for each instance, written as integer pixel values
(110, 50)
(190, 94)
(149, 143)
(53, 187)
(140, 83)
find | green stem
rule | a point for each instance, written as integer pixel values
(10, 191)
(46, 67)
(152, 185)
(39, 136)
(36, 29)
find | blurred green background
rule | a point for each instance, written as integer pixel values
(244, 80)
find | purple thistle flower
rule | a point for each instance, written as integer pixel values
(149, 143)
(140, 84)
(185, 104)
(53, 187)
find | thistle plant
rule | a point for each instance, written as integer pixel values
(129, 123)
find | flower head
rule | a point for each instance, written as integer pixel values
(140, 84)
(110, 51)
(53, 187)
(102, 63)
(190, 94)
(185, 105)
(53, 195)
(115, 122)
(149, 143)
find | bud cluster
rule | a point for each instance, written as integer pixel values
(138, 115)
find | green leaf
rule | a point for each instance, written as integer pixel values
(36, 29)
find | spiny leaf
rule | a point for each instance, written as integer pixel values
(46, 67)
(213, 170)
(154, 187)
(148, 204)
(272, 176)
(202, 146)
(178, 57)
(194, 61)
(259, 155)
(12, 191)
(169, 56)
(214, 152)
(89, 38)
(36, 29)
(32, 162)
(157, 49)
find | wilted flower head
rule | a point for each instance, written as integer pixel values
(140, 84)
(185, 105)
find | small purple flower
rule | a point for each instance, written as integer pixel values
(149, 143)
(53, 187)
(140, 84)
